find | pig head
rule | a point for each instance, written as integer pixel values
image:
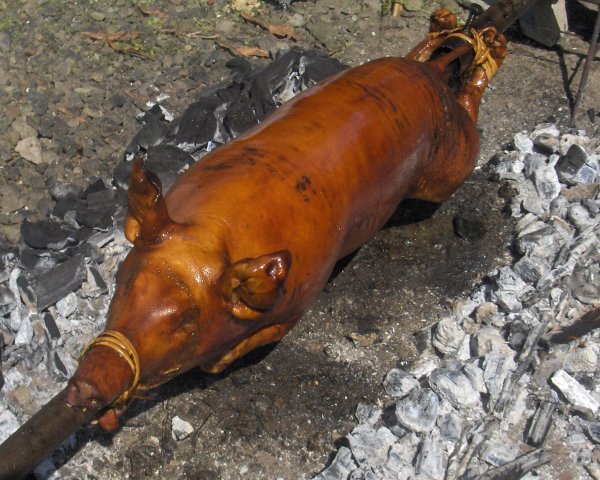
(180, 302)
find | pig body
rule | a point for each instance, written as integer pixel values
(246, 239)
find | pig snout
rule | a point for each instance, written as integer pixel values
(91, 387)
(83, 394)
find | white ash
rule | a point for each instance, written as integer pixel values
(477, 410)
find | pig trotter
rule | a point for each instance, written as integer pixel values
(490, 51)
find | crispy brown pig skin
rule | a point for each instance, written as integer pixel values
(246, 239)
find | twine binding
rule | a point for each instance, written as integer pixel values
(120, 344)
(483, 56)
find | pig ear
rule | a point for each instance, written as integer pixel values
(146, 208)
(253, 285)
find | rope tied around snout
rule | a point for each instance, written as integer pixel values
(120, 344)
(483, 54)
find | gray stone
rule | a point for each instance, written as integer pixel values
(180, 429)
(398, 383)
(419, 410)
(30, 149)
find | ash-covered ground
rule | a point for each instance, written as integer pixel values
(69, 102)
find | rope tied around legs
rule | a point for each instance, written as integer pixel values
(483, 55)
(120, 344)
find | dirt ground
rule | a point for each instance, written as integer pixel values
(281, 412)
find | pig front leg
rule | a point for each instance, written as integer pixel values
(263, 337)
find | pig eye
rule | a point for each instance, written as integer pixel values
(189, 321)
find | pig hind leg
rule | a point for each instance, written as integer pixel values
(479, 77)
(441, 23)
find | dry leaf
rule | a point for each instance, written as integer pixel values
(245, 51)
(149, 12)
(109, 37)
(252, 52)
(283, 30)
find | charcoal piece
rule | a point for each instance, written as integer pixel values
(592, 429)
(154, 131)
(575, 393)
(368, 414)
(61, 190)
(82, 234)
(370, 446)
(166, 161)
(239, 118)
(431, 460)
(519, 466)
(419, 410)
(530, 270)
(576, 167)
(64, 205)
(540, 423)
(448, 336)
(96, 209)
(41, 291)
(95, 284)
(546, 182)
(340, 468)
(469, 227)
(398, 383)
(450, 427)
(8, 302)
(29, 257)
(265, 82)
(44, 235)
(60, 366)
(454, 386)
(94, 187)
(122, 175)
(51, 326)
(318, 67)
(198, 124)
